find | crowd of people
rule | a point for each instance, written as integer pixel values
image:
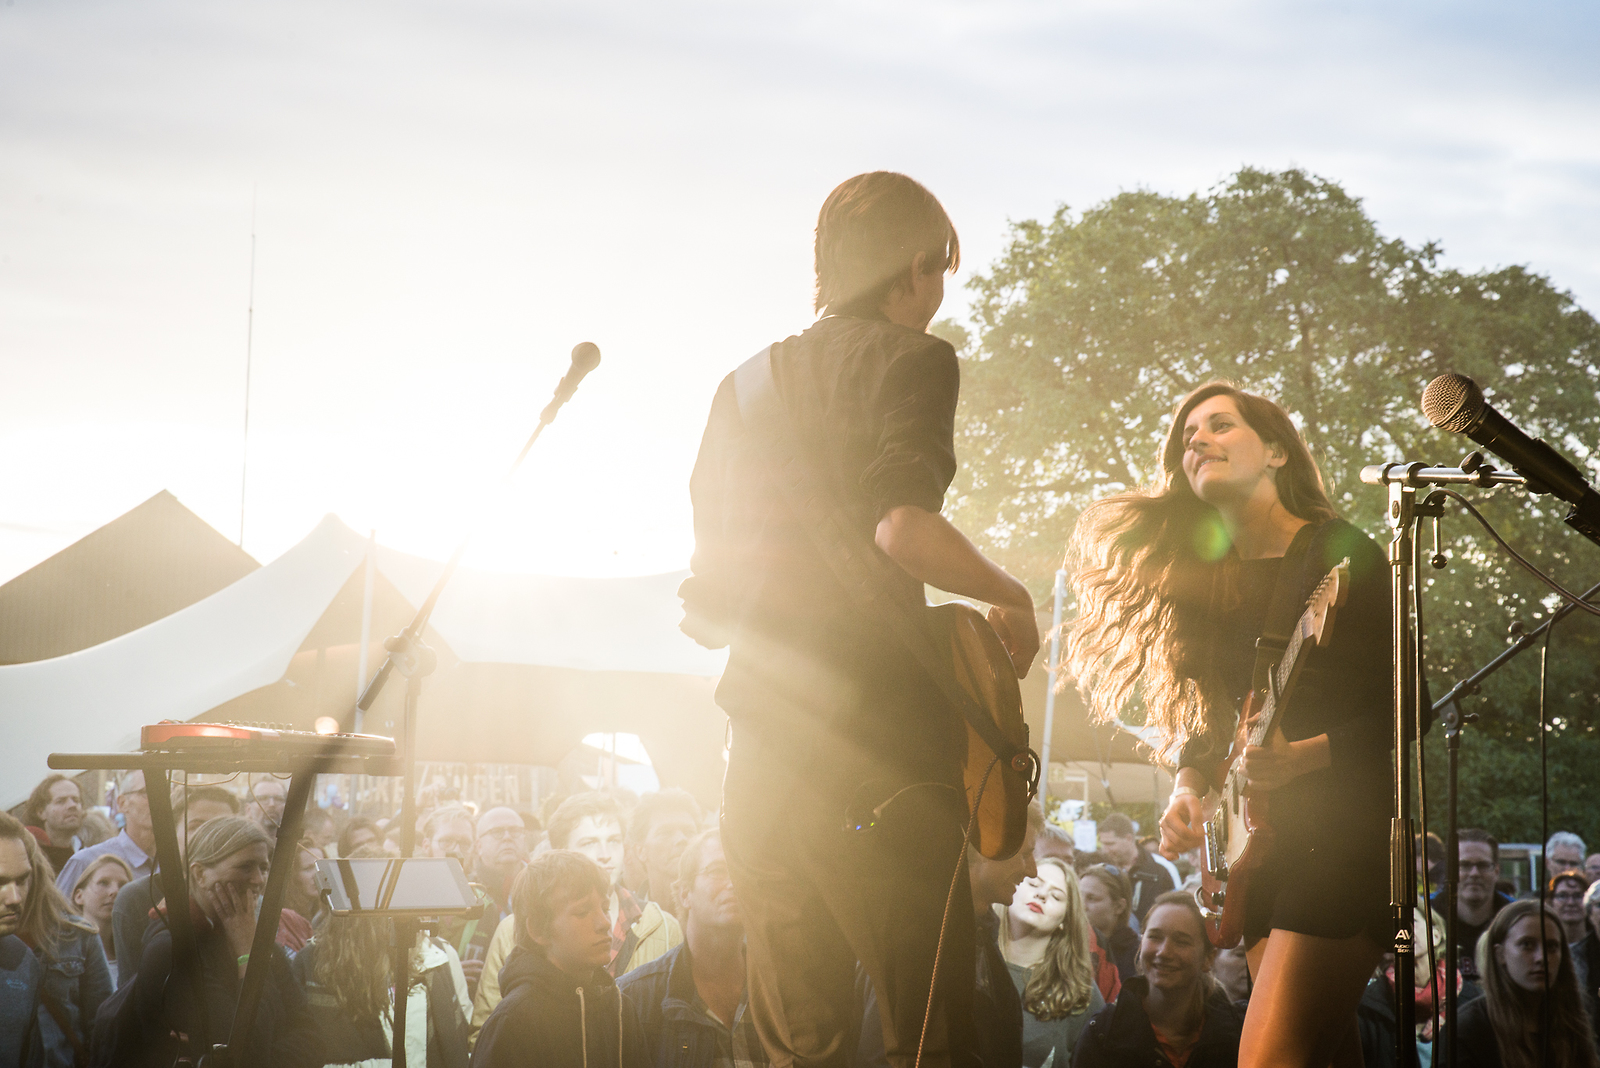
(610, 933)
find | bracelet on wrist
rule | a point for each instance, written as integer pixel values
(244, 959)
(1186, 791)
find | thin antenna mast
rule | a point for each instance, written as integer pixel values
(249, 339)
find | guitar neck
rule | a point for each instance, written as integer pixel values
(1282, 672)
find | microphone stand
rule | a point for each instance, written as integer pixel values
(416, 661)
(1402, 482)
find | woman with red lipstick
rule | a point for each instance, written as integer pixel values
(1175, 584)
(1044, 937)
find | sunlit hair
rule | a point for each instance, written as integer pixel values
(575, 809)
(550, 883)
(352, 959)
(1151, 566)
(1571, 1038)
(1117, 885)
(33, 813)
(221, 838)
(46, 915)
(1062, 983)
(869, 230)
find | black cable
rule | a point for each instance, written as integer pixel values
(1574, 599)
(1544, 839)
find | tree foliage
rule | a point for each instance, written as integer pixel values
(1089, 328)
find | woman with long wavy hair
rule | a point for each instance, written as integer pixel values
(349, 984)
(1523, 993)
(1044, 937)
(1175, 584)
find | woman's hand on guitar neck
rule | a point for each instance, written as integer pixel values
(1182, 824)
(1279, 762)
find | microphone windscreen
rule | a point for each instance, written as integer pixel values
(585, 357)
(1452, 402)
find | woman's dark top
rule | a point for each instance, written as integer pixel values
(1121, 1035)
(283, 1035)
(348, 1039)
(1475, 1042)
(1041, 1038)
(1122, 947)
(1327, 874)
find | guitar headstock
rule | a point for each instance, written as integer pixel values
(1330, 593)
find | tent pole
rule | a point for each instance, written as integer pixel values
(366, 626)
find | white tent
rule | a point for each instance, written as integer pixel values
(244, 637)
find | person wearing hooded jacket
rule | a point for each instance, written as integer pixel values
(560, 1006)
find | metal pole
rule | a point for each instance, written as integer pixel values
(1402, 865)
(1054, 668)
(366, 626)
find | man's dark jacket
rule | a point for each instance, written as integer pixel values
(662, 994)
(548, 1017)
(996, 1005)
(1121, 1035)
(1150, 880)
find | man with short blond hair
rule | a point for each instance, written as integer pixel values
(831, 714)
(135, 843)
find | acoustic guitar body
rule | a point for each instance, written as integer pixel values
(998, 792)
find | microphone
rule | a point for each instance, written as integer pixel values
(585, 358)
(1455, 403)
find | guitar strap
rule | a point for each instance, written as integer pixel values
(858, 565)
(1300, 570)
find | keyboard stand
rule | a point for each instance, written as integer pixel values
(157, 766)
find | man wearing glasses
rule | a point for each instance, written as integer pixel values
(1477, 900)
(136, 844)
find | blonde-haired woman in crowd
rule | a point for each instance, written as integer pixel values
(1528, 984)
(1044, 937)
(94, 895)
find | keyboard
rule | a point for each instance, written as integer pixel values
(252, 740)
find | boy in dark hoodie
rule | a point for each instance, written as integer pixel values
(560, 1007)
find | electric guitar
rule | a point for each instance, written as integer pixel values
(1238, 829)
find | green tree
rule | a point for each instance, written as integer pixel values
(1089, 328)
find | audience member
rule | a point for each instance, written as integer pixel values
(691, 1003)
(1563, 852)
(1231, 969)
(192, 808)
(94, 898)
(1173, 1013)
(450, 831)
(303, 907)
(71, 978)
(997, 1016)
(659, 828)
(135, 844)
(1506, 1027)
(1586, 956)
(1477, 898)
(319, 827)
(1430, 862)
(561, 1006)
(358, 833)
(228, 860)
(96, 828)
(270, 798)
(498, 855)
(1044, 937)
(1375, 1015)
(1105, 901)
(1146, 879)
(1151, 845)
(1591, 868)
(591, 824)
(54, 814)
(348, 981)
(1054, 842)
(1565, 897)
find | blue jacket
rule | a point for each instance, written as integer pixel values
(20, 1042)
(75, 980)
(662, 995)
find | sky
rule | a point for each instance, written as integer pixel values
(443, 198)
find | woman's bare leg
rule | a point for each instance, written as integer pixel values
(1303, 1006)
